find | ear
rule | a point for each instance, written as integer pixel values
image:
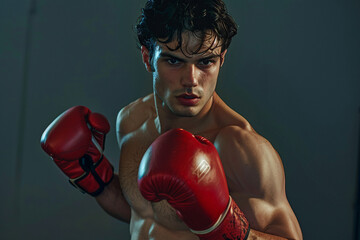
(222, 57)
(146, 58)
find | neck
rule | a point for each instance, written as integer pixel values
(167, 120)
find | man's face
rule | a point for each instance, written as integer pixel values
(185, 82)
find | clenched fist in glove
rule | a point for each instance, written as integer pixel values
(75, 141)
(186, 171)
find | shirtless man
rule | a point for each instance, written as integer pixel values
(183, 47)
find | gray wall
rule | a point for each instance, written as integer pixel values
(292, 71)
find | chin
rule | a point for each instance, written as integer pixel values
(185, 112)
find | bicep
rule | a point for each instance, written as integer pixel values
(251, 163)
(268, 213)
(256, 181)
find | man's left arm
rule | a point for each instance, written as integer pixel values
(256, 181)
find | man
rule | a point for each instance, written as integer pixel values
(183, 45)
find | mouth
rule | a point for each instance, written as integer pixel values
(188, 99)
(188, 96)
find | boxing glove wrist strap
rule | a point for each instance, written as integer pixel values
(90, 175)
(90, 169)
(232, 224)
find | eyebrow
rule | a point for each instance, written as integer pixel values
(169, 55)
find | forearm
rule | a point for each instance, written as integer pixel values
(256, 235)
(113, 201)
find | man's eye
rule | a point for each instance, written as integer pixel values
(173, 61)
(206, 62)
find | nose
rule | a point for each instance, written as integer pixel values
(190, 76)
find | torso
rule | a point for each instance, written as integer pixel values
(158, 220)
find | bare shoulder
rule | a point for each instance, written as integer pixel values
(244, 137)
(131, 117)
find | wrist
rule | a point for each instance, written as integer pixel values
(232, 224)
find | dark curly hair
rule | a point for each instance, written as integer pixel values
(165, 20)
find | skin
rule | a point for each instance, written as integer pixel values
(253, 169)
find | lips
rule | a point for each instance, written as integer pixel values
(188, 99)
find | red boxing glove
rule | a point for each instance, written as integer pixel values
(75, 140)
(186, 171)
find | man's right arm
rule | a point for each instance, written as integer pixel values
(113, 201)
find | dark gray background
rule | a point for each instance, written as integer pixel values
(292, 71)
